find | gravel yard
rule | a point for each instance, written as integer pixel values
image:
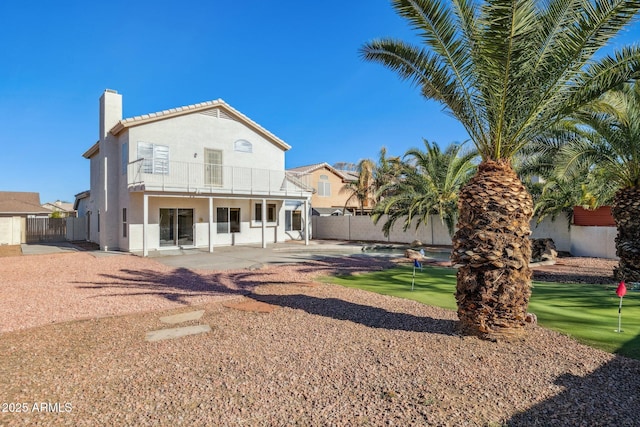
(73, 329)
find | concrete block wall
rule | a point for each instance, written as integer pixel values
(558, 230)
(580, 241)
(593, 241)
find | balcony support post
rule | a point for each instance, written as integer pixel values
(264, 223)
(306, 222)
(210, 224)
(145, 224)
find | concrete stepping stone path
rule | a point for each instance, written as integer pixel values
(172, 333)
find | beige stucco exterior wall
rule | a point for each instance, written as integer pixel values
(337, 198)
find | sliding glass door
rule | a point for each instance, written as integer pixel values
(176, 227)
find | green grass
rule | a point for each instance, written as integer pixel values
(588, 313)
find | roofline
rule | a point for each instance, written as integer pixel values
(92, 151)
(194, 108)
(317, 166)
(25, 213)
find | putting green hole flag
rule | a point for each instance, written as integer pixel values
(621, 291)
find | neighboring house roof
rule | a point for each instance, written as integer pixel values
(58, 206)
(345, 175)
(326, 211)
(16, 202)
(79, 197)
(219, 107)
(350, 175)
(293, 178)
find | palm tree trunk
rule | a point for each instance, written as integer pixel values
(492, 250)
(626, 214)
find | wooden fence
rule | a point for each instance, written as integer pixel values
(46, 230)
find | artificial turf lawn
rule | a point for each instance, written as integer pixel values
(588, 313)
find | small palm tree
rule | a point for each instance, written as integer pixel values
(507, 70)
(606, 145)
(430, 183)
(387, 171)
(361, 189)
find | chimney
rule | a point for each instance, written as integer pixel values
(110, 111)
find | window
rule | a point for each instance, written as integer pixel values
(125, 157)
(213, 167)
(228, 220)
(124, 222)
(324, 186)
(156, 158)
(243, 146)
(293, 221)
(271, 212)
(222, 219)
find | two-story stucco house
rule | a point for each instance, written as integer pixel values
(202, 175)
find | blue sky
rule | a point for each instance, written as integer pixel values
(291, 66)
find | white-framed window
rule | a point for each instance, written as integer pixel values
(293, 221)
(324, 186)
(271, 212)
(243, 146)
(156, 158)
(213, 167)
(227, 220)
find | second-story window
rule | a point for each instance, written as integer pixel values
(125, 157)
(243, 146)
(156, 158)
(324, 186)
(213, 167)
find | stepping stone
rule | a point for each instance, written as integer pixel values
(168, 334)
(182, 317)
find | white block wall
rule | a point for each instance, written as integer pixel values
(11, 230)
(580, 241)
(597, 242)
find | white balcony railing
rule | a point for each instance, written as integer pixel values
(209, 178)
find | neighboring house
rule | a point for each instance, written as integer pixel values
(66, 209)
(196, 176)
(81, 203)
(329, 197)
(15, 208)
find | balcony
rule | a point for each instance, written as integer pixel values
(201, 178)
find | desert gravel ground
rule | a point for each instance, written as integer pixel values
(73, 330)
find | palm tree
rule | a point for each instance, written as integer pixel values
(387, 171)
(430, 184)
(507, 70)
(607, 146)
(362, 188)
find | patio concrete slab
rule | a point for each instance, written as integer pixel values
(250, 256)
(168, 334)
(182, 317)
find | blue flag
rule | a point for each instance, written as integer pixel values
(417, 264)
